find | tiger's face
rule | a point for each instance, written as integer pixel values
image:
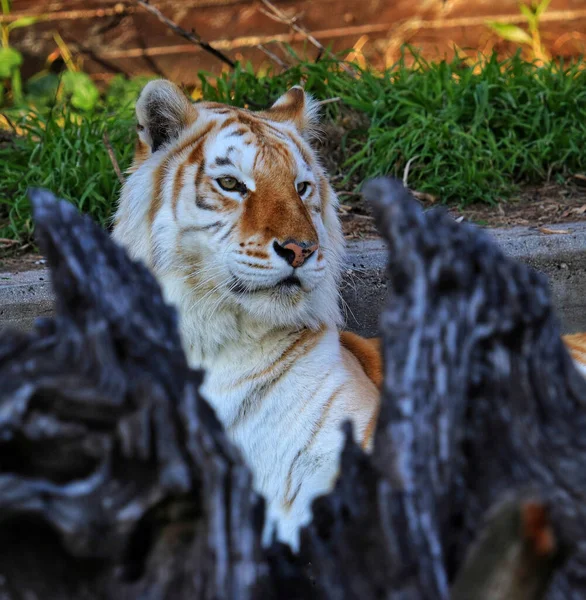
(233, 207)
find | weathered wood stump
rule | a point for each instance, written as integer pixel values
(117, 480)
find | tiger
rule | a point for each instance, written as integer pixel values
(236, 218)
(233, 213)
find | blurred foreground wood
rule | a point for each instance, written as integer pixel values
(117, 481)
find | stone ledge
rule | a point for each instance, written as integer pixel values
(562, 257)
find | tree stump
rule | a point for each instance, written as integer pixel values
(118, 481)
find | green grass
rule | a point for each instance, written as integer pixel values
(470, 135)
(67, 157)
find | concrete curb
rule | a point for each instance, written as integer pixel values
(24, 297)
(562, 257)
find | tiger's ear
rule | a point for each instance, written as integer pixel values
(163, 112)
(298, 108)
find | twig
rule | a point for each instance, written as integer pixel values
(273, 57)
(407, 167)
(278, 15)
(7, 243)
(112, 156)
(192, 37)
(329, 101)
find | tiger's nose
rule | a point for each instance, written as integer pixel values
(295, 253)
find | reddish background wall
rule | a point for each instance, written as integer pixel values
(123, 37)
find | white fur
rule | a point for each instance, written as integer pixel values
(237, 338)
(580, 366)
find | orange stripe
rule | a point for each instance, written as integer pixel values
(141, 153)
(289, 482)
(157, 198)
(288, 499)
(253, 266)
(191, 140)
(286, 361)
(196, 155)
(159, 174)
(255, 253)
(177, 185)
(576, 344)
(324, 192)
(326, 409)
(317, 390)
(306, 336)
(302, 150)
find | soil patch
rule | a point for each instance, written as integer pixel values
(18, 263)
(534, 207)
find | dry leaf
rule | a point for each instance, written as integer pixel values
(424, 196)
(549, 231)
(580, 179)
(581, 210)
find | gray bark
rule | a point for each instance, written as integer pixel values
(117, 481)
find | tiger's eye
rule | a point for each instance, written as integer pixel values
(230, 184)
(302, 187)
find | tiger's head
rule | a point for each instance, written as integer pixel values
(232, 210)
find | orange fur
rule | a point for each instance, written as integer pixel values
(367, 351)
(576, 344)
(141, 153)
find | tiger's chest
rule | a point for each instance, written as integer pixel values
(269, 398)
(284, 408)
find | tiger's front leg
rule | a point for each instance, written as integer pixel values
(314, 475)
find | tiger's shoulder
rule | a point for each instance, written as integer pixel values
(576, 344)
(368, 353)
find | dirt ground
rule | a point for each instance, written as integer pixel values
(17, 263)
(534, 207)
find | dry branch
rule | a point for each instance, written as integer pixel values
(278, 15)
(281, 63)
(477, 381)
(192, 36)
(112, 155)
(329, 101)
